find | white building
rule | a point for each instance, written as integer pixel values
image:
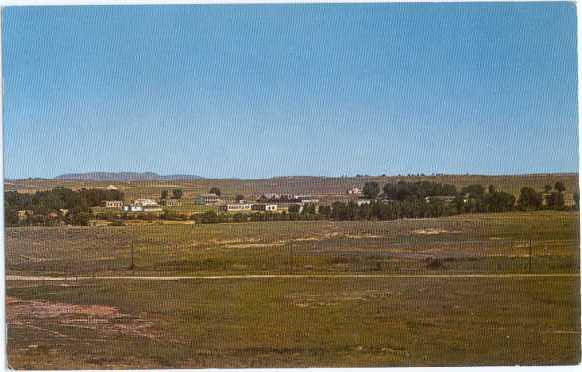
(117, 204)
(132, 208)
(204, 199)
(361, 202)
(354, 191)
(237, 207)
(145, 202)
(143, 205)
(265, 207)
(171, 202)
(152, 208)
(447, 199)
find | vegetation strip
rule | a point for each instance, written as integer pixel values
(290, 276)
(421, 199)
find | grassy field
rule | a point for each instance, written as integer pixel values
(467, 243)
(437, 318)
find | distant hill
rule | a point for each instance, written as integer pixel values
(125, 176)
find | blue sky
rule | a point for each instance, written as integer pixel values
(271, 90)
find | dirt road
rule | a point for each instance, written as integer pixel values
(285, 276)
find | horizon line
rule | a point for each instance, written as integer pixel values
(55, 178)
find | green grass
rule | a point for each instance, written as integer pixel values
(335, 322)
(469, 243)
(316, 322)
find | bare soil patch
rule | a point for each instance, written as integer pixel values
(431, 231)
(100, 318)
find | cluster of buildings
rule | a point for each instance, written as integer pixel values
(569, 200)
(138, 205)
(240, 207)
(269, 202)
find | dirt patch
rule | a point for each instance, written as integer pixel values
(363, 236)
(312, 239)
(103, 319)
(256, 245)
(38, 259)
(166, 222)
(233, 241)
(350, 236)
(43, 309)
(430, 231)
(308, 300)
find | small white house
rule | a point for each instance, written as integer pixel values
(361, 202)
(117, 204)
(171, 202)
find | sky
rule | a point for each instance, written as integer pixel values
(257, 91)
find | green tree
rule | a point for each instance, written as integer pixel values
(164, 194)
(215, 190)
(308, 209)
(239, 197)
(371, 190)
(294, 208)
(559, 186)
(177, 193)
(529, 199)
(498, 202)
(79, 218)
(547, 188)
(555, 200)
(10, 217)
(325, 210)
(475, 191)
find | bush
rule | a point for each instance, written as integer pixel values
(117, 222)
(434, 263)
(79, 219)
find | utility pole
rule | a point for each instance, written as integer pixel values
(530, 254)
(131, 266)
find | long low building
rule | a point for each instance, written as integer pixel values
(447, 199)
(117, 204)
(204, 199)
(237, 207)
(264, 207)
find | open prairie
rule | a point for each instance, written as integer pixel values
(482, 289)
(291, 185)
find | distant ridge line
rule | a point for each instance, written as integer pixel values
(151, 176)
(125, 176)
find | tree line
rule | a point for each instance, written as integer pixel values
(409, 200)
(59, 205)
(391, 201)
(176, 194)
